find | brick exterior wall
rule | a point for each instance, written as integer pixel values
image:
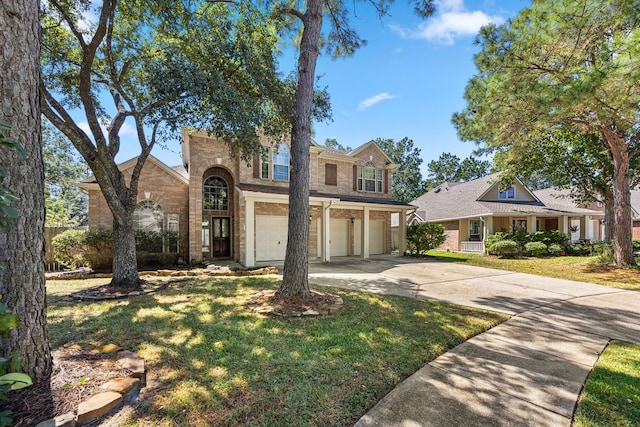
(210, 157)
(169, 192)
(452, 231)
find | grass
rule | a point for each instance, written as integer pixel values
(611, 396)
(584, 269)
(215, 363)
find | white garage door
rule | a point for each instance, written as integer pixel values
(339, 235)
(271, 237)
(376, 237)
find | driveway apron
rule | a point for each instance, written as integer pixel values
(527, 371)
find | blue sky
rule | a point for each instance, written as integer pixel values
(406, 82)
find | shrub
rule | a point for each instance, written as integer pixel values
(99, 242)
(578, 249)
(148, 241)
(536, 249)
(505, 248)
(69, 249)
(424, 236)
(604, 251)
(636, 245)
(493, 238)
(554, 249)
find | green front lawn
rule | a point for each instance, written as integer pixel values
(584, 269)
(611, 396)
(215, 363)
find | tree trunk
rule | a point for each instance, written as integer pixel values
(125, 269)
(609, 215)
(622, 244)
(295, 279)
(22, 283)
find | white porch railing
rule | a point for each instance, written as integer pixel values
(475, 247)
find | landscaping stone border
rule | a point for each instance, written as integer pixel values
(113, 394)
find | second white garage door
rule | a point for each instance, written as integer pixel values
(376, 237)
(271, 237)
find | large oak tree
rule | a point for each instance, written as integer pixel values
(22, 284)
(161, 65)
(563, 64)
(339, 41)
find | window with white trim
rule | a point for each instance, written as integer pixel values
(508, 194)
(215, 194)
(281, 162)
(370, 178)
(148, 216)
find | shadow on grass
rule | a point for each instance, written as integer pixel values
(215, 363)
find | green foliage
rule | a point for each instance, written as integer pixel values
(505, 248)
(536, 249)
(449, 168)
(424, 236)
(604, 251)
(636, 244)
(66, 205)
(9, 379)
(7, 212)
(94, 247)
(68, 248)
(554, 249)
(407, 178)
(522, 238)
(534, 84)
(493, 238)
(578, 249)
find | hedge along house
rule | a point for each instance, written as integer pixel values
(472, 210)
(224, 208)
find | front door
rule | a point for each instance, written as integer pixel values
(221, 244)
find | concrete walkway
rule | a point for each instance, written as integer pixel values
(528, 371)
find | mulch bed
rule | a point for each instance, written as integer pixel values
(77, 375)
(269, 302)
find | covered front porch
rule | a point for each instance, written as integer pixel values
(472, 232)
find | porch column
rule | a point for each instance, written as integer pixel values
(531, 224)
(583, 227)
(250, 235)
(402, 238)
(364, 249)
(326, 232)
(564, 224)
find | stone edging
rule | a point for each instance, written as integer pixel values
(335, 307)
(115, 391)
(201, 272)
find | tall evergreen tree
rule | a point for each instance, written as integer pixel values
(22, 284)
(340, 41)
(406, 184)
(563, 64)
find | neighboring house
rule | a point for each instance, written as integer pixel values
(223, 207)
(470, 211)
(635, 208)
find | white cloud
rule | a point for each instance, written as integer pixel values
(374, 100)
(452, 20)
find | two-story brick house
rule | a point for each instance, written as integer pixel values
(223, 207)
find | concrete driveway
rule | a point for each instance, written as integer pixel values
(527, 371)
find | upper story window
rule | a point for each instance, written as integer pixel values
(148, 216)
(264, 163)
(215, 194)
(370, 178)
(509, 194)
(281, 162)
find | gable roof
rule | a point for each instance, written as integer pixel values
(372, 143)
(178, 172)
(456, 200)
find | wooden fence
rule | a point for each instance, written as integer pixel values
(49, 234)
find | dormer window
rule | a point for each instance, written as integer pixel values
(370, 179)
(508, 194)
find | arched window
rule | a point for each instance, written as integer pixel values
(148, 216)
(215, 194)
(281, 162)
